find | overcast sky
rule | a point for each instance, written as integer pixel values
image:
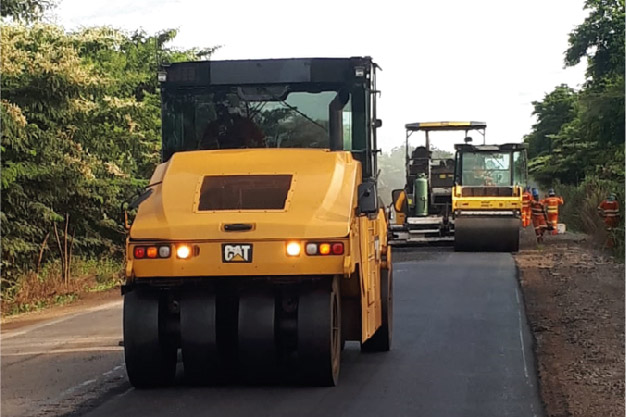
(481, 60)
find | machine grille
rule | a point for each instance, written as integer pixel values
(244, 192)
(487, 192)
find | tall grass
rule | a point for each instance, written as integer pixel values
(34, 291)
(580, 212)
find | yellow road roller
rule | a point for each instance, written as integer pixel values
(260, 244)
(487, 196)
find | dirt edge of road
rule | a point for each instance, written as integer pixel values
(574, 300)
(85, 301)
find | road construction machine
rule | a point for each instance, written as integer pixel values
(487, 196)
(260, 244)
(423, 209)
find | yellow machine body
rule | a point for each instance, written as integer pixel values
(259, 246)
(486, 202)
(321, 206)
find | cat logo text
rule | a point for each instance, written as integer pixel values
(237, 253)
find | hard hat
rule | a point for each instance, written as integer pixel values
(551, 192)
(612, 197)
(527, 188)
(535, 193)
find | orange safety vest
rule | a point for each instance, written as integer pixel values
(553, 204)
(526, 198)
(538, 214)
(609, 210)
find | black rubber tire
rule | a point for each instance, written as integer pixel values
(150, 359)
(258, 356)
(381, 341)
(319, 333)
(198, 336)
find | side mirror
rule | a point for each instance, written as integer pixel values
(399, 200)
(377, 123)
(368, 197)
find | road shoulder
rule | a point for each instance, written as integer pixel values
(574, 296)
(87, 301)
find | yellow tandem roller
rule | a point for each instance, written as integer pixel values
(487, 197)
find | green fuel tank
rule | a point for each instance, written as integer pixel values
(421, 196)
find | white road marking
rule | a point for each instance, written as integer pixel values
(44, 342)
(521, 339)
(70, 350)
(77, 387)
(9, 335)
(521, 334)
(112, 370)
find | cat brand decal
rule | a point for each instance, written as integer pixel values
(236, 253)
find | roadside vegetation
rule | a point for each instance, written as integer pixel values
(577, 144)
(80, 134)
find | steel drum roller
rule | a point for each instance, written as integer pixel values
(486, 234)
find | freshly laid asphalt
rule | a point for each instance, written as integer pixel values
(461, 347)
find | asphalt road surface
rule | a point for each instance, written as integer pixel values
(461, 347)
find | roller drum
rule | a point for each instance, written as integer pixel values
(486, 233)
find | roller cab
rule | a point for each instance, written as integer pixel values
(487, 196)
(259, 246)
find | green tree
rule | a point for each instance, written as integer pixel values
(25, 10)
(600, 39)
(80, 131)
(578, 141)
(557, 108)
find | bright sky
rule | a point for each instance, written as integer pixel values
(481, 60)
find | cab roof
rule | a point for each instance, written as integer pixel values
(466, 147)
(340, 71)
(449, 126)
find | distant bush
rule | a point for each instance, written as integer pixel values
(580, 209)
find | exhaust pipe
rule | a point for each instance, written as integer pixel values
(335, 120)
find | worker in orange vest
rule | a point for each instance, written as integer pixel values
(526, 198)
(539, 216)
(552, 203)
(609, 211)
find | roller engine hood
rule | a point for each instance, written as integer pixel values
(274, 193)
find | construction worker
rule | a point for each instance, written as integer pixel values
(526, 198)
(609, 211)
(552, 203)
(539, 216)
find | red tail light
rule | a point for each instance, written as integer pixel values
(323, 249)
(140, 252)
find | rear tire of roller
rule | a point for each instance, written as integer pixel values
(258, 354)
(319, 333)
(150, 358)
(198, 336)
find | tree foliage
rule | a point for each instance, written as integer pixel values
(80, 132)
(581, 133)
(577, 144)
(25, 10)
